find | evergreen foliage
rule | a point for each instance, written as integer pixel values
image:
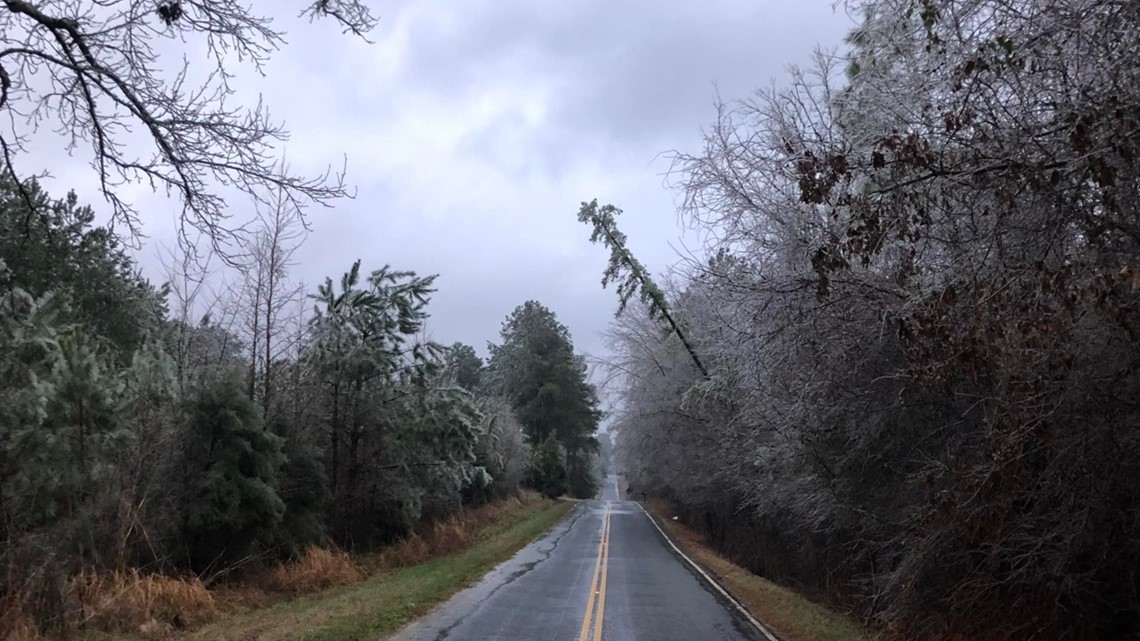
(628, 272)
(465, 366)
(536, 369)
(131, 436)
(53, 247)
(548, 471)
(229, 471)
(503, 451)
(304, 491)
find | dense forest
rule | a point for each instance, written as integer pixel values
(229, 419)
(902, 374)
(905, 376)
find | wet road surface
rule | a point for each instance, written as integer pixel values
(605, 573)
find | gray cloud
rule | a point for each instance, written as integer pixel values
(619, 74)
(474, 129)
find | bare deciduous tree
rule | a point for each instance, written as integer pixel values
(920, 321)
(97, 72)
(267, 295)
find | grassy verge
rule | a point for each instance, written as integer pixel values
(386, 601)
(792, 616)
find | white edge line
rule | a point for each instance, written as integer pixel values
(748, 615)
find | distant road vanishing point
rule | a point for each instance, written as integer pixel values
(606, 573)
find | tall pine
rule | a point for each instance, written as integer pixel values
(536, 368)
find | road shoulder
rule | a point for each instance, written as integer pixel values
(785, 614)
(451, 610)
(387, 601)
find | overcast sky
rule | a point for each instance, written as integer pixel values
(473, 130)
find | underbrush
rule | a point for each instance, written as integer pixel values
(448, 536)
(150, 605)
(793, 616)
(316, 569)
(128, 601)
(15, 623)
(132, 603)
(390, 598)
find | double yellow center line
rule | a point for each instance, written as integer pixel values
(598, 587)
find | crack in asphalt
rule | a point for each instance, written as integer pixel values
(525, 569)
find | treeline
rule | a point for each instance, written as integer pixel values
(905, 379)
(228, 420)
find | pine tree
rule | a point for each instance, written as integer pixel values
(548, 470)
(465, 366)
(536, 368)
(230, 475)
(58, 249)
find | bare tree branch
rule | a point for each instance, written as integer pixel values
(93, 68)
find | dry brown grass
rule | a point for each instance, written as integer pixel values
(317, 569)
(387, 601)
(793, 617)
(151, 604)
(135, 605)
(446, 537)
(15, 624)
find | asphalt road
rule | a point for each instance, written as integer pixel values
(604, 574)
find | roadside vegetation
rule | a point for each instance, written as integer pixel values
(168, 439)
(162, 443)
(337, 597)
(903, 377)
(792, 616)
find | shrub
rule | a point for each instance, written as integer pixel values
(451, 535)
(231, 503)
(132, 601)
(548, 472)
(15, 623)
(318, 568)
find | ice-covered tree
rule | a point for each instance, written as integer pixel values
(146, 86)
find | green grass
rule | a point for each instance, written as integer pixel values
(386, 602)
